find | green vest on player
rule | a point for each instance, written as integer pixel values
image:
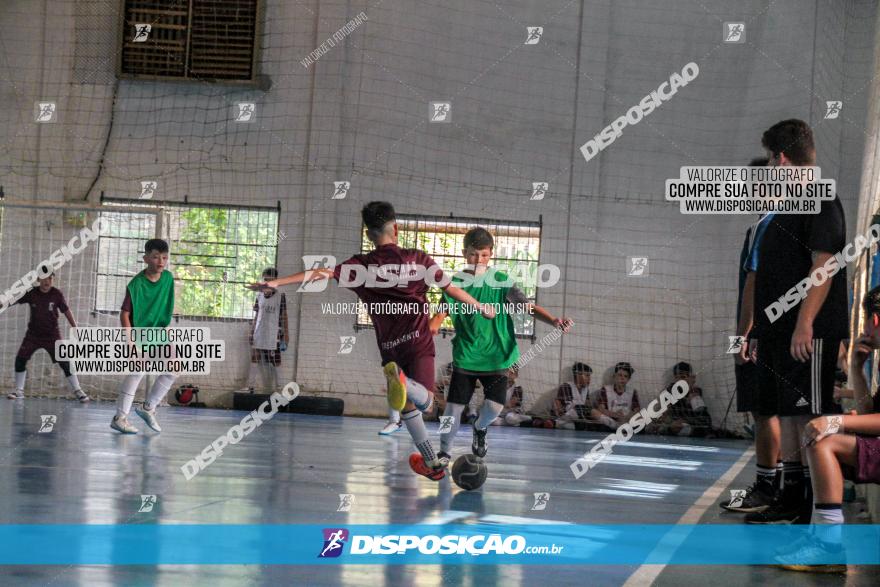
(480, 344)
(152, 304)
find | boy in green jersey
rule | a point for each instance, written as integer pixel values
(149, 303)
(483, 350)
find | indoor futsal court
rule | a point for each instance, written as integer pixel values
(474, 293)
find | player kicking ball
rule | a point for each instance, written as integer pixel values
(46, 303)
(482, 350)
(396, 302)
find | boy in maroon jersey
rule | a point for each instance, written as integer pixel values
(46, 303)
(397, 276)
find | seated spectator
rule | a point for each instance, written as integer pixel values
(841, 447)
(512, 414)
(573, 406)
(616, 401)
(689, 415)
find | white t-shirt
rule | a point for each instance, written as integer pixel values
(619, 403)
(267, 327)
(579, 397)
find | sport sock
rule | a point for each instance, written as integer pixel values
(73, 382)
(488, 412)
(20, 378)
(446, 438)
(415, 425)
(126, 393)
(160, 387)
(765, 478)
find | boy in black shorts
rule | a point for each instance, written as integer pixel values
(797, 350)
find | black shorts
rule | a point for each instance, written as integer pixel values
(787, 387)
(746, 387)
(463, 383)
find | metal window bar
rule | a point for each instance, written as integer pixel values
(212, 268)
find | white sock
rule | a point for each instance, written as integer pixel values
(126, 394)
(446, 438)
(393, 416)
(252, 376)
(73, 382)
(418, 394)
(275, 376)
(830, 517)
(827, 516)
(416, 428)
(488, 413)
(160, 387)
(20, 377)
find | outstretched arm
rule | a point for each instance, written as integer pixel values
(302, 276)
(564, 324)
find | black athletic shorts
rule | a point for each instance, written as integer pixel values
(746, 387)
(463, 383)
(787, 387)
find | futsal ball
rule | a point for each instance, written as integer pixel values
(469, 472)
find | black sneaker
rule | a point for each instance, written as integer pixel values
(757, 499)
(776, 514)
(478, 447)
(444, 458)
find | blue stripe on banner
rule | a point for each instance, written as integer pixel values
(553, 544)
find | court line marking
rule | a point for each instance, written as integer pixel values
(646, 574)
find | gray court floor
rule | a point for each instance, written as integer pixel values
(292, 469)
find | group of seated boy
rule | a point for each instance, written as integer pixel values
(579, 406)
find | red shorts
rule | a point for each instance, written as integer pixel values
(31, 345)
(868, 458)
(418, 368)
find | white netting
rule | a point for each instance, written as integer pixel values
(519, 113)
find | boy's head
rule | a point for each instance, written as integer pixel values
(582, 373)
(789, 142)
(478, 245)
(871, 305)
(683, 372)
(622, 373)
(380, 221)
(156, 255)
(45, 283)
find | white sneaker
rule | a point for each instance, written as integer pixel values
(81, 396)
(390, 428)
(121, 424)
(565, 425)
(149, 416)
(17, 394)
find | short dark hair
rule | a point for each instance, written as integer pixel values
(624, 366)
(478, 238)
(270, 272)
(682, 367)
(793, 137)
(759, 162)
(155, 244)
(580, 368)
(871, 301)
(375, 216)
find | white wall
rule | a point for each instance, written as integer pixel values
(520, 112)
